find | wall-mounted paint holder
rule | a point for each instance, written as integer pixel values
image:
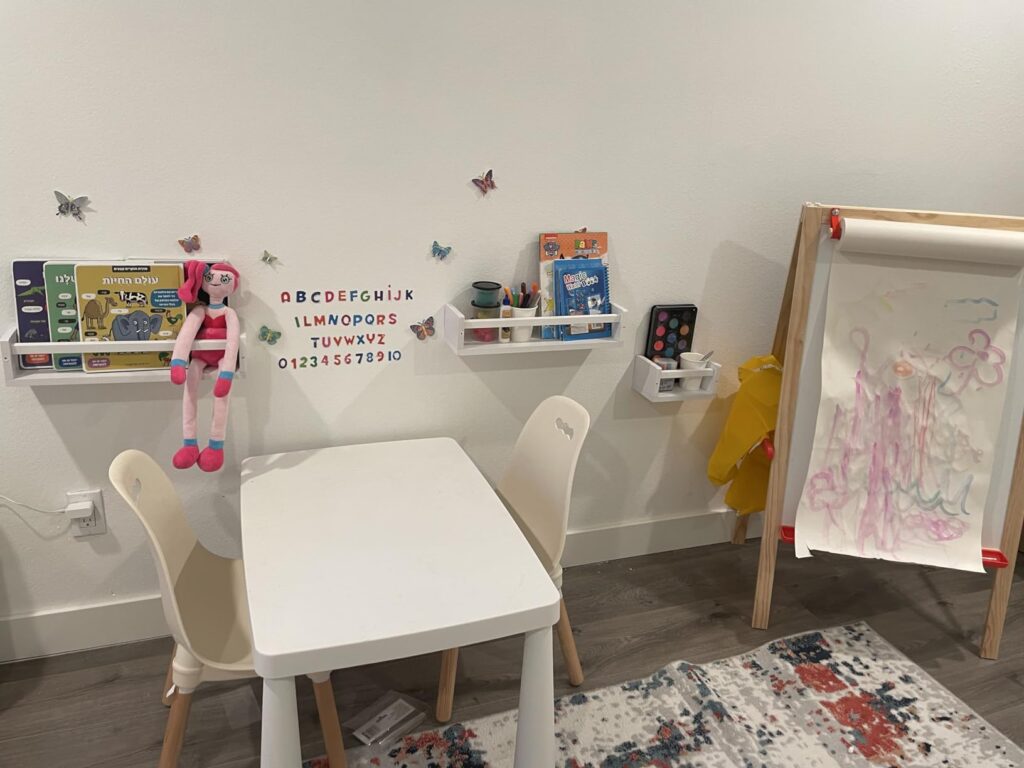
(648, 378)
(456, 326)
(11, 348)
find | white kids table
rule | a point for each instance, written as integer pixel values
(362, 553)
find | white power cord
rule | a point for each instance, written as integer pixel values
(9, 500)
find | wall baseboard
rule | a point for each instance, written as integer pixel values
(646, 537)
(79, 628)
(142, 618)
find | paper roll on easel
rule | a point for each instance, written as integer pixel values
(931, 241)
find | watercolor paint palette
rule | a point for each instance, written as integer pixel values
(671, 330)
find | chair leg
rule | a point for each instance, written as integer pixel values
(330, 726)
(568, 643)
(166, 697)
(174, 734)
(446, 686)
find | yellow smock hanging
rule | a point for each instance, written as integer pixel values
(751, 420)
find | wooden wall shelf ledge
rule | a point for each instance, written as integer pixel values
(457, 324)
(647, 378)
(11, 347)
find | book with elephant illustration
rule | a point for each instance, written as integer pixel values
(128, 302)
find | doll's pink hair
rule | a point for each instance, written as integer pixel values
(194, 271)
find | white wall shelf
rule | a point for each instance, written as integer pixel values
(14, 376)
(647, 376)
(457, 324)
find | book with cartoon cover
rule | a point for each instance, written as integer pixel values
(128, 302)
(564, 245)
(581, 288)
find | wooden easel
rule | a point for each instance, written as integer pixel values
(790, 337)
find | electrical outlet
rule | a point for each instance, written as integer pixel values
(94, 524)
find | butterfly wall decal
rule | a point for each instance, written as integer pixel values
(191, 244)
(268, 258)
(424, 329)
(439, 251)
(269, 336)
(68, 207)
(485, 182)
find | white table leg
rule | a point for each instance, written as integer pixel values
(280, 746)
(535, 732)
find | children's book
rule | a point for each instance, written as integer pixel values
(581, 288)
(30, 303)
(128, 302)
(566, 245)
(62, 310)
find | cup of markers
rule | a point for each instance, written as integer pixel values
(519, 305)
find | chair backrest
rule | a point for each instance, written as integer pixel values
(149, 492)
(537, 483)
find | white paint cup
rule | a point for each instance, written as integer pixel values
(692, 361)
(523, 332)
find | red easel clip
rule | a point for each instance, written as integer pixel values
(834, 230)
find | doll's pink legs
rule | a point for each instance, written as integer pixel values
(212, 457)
(188, 454)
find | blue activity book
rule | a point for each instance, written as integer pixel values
(581, 288)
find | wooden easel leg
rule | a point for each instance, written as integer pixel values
(739, 531)
(997, 603)
(1009, 544)
(792, 318)
(765, 574)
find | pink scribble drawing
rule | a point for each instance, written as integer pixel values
(896, 468)
(980, 361)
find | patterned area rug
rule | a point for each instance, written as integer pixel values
(840, 697)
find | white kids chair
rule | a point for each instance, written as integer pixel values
(536, 488)
(205, 605)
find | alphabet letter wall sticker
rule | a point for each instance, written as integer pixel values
(347, 327)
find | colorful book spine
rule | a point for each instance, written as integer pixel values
(128, 302)
(581, 289)
(62, 309)
(30, 303)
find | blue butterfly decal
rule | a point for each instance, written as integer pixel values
(268, 335)
(438, 251)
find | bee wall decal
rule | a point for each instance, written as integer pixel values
(67, 206)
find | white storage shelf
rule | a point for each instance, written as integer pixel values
(457, 326)
(11, 348)
(647, 377)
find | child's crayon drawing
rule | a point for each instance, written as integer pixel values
(913, 386)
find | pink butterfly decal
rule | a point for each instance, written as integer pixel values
(190, 244)
(485, 182)
(424, 329)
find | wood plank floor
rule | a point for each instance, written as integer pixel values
(102, 707)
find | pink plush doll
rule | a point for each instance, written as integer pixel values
(215, 320)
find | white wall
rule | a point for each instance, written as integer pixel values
(342, 136)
